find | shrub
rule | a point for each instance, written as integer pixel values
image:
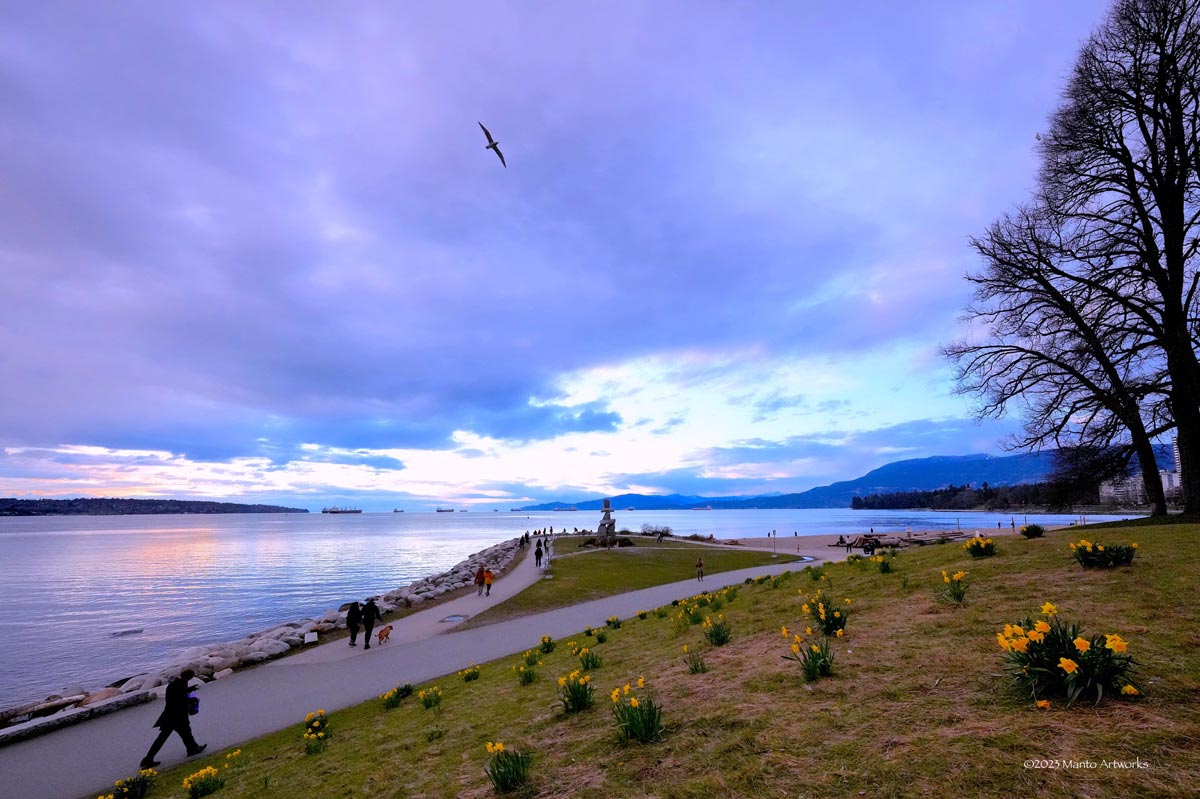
(507, 769)
(717, 632)
(430, 697)
(884, 562)
(1033, 531)
(601, 637)
(205, 781)
(470, 673)
(316, 733)
(980, 547)
(695, 614)
(394, 697)
(575, 691)
(815, 657)
(824, 614)
(531, 657)
(135, 787)
(638, 718)
(614, 622)
(588, 631)
(1097, 555)
(955, 590)
(1052, 658)
(547, 645)
(642, 614)
(695, 661)
(661, 613)
(589, 660)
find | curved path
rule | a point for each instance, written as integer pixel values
(79, 761)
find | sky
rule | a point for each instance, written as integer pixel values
(259, 252)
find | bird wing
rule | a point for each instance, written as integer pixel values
(502, 161)
(486, 133)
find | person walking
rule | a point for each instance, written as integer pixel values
(371, 615)
(175, 718)
(353, 621)
(537, 554)
(479, 578)
(699, 569)
(488, 579)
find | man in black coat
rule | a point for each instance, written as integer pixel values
(353, 621)
(174, 718)
(370, 614)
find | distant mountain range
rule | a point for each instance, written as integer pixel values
(90, 506)
(918, 474)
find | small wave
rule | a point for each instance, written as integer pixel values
(123, 633)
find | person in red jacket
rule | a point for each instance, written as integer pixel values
(174, 718)
(479, 576)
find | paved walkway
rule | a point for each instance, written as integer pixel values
(79, 761)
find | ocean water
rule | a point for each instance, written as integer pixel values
(73, 586)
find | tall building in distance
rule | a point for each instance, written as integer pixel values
(1175, 446)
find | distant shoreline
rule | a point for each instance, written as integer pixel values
(90, 506)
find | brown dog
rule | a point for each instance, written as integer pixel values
(385, 633)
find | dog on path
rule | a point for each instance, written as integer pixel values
(385, 633)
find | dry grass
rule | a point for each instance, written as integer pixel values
(915, 707)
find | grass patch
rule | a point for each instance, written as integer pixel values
(914, 708)
(597, 574)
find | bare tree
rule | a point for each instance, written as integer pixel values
(1120, 174)
(1066, 352)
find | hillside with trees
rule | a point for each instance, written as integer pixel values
(91, 506)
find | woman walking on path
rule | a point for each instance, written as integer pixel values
(371, 615)
(699, 569)
(488, 579)
(479, 576)
(353, 621)
(174, 718)
(537, 554)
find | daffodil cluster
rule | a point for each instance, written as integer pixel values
(203, 782)
(576, 692)
(1049, 657)
(392, 698)
(1097, 555)
(430, 697)
(614, 622)
(526, 675)
(134, 787)
(470, 673)
(547, 645)
(980, 547)
(811, 652)
(316, 732)
(639, 718)
(718, 633)
(1032, 531)
(954, 590)
(231, 759)
(826, 614)
(694, 660)
(507, 768)
(588, 659)
(883, 561)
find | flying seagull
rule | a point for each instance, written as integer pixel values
(493, 145)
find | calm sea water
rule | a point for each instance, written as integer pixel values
(71, 584)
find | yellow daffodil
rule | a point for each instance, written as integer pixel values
(641, 683)
(808, 630)
(1036, 637)
(633, 701)
(1082, 644)
(795, 649)
(1020, 644)
(1134, 546)
(840, 633)
(1115, 643)
(616, 693)
(1129, 690)
(1049, 609)
(959, 575)
(1068, 665)
(815, 648)
(784, 631)
(685, 649)
(1004, 642)
(626, 689)
(1042, 627)
(1044, 704)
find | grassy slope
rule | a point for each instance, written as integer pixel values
(581, 575)
(915, 709)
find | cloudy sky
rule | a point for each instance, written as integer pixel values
(258, 251)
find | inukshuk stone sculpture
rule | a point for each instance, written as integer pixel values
(606, 533)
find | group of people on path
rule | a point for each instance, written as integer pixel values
(363, 616)
(483, 580)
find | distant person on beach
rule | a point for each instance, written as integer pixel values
(841, 542)
(353, 621)
(699, 569)
(371, 615)
(488, 579)
(174, 718)
(537, 555)
(479, 575)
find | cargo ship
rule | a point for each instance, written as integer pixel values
(336, 509)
